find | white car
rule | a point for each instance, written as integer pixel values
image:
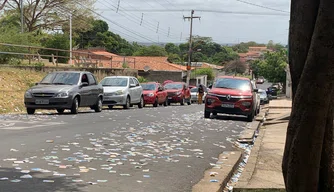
(123, 91)
(194, 97)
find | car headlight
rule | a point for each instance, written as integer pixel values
(150, 94)
(119, 92)
(62, 95)
(246, 104)
(28, 95)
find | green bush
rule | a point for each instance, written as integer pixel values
(142, 79)
(38, 66)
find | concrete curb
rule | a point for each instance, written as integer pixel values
(230, 163)
(250, 166)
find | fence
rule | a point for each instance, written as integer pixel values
(83, 58)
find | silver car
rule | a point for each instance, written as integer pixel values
(123, 91)
(65, 90)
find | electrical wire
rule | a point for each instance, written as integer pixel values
(269, 8)
(204, 10)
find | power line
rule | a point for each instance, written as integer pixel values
(202, 10)
(249, 3)
(117, 24)
(82, 19)
(150, 26)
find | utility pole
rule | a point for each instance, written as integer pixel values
(70, 38)
(190, 43)
(22, 24)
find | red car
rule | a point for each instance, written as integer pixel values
(154, 94)
(178, 92)
(231, 95)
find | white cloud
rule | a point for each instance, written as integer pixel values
(224, 28)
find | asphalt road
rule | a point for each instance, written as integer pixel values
(151, 149)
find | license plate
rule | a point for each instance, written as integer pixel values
(227, 105)
(42, 101)
(169, 97)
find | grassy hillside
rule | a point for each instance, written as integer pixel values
(13, 84)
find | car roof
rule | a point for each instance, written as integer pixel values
(150, 83)
(176, 82)
(233, 77)
(70, 72)
(119, 77)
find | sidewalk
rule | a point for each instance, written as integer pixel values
(263, 169)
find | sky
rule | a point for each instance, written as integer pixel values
(226, 21)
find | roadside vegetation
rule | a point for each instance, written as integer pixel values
(13, 84)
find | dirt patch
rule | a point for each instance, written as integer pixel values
(13, 84)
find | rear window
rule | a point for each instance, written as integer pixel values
(174, 86)
(148, 86)
(228, 83)
(194, 89)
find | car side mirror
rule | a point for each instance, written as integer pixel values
(256, 90)
(210, 86)
(132, 85)
(36, 83)
(84, 84)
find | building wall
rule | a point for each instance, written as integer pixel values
(161, 76)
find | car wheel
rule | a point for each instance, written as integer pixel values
(182, 101)
(214, 113)
(155, 104)
(98, 105)
(127, 103)
(141, 103)
(60, 111)
(75, 106)
(250, 117)
(30, 111)
(110, 106)
(207, 114)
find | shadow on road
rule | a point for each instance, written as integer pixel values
(227, 117)
(40, 182)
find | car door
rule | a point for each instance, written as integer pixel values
(139, 89)
(84, 91)
(132, 91)
(159, 93)
(94, 90)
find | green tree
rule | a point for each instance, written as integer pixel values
(198, 57)
(57, 41)
(172, 48)
(204, 71)
(173, 58)
(47, 15)
(236, 67)
(152, 50)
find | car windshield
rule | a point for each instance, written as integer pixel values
(148, 86)
(194, 89)
(61, 78)
(228, 83)
(173, 86)
(114, 82)
(263, 94)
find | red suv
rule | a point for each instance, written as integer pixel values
(178, 92)
(231, 95)
(154, 94)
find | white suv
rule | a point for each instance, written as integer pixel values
(123, 91)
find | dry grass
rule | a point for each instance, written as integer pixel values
(13, 84)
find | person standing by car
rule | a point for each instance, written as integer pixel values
(200, 93)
